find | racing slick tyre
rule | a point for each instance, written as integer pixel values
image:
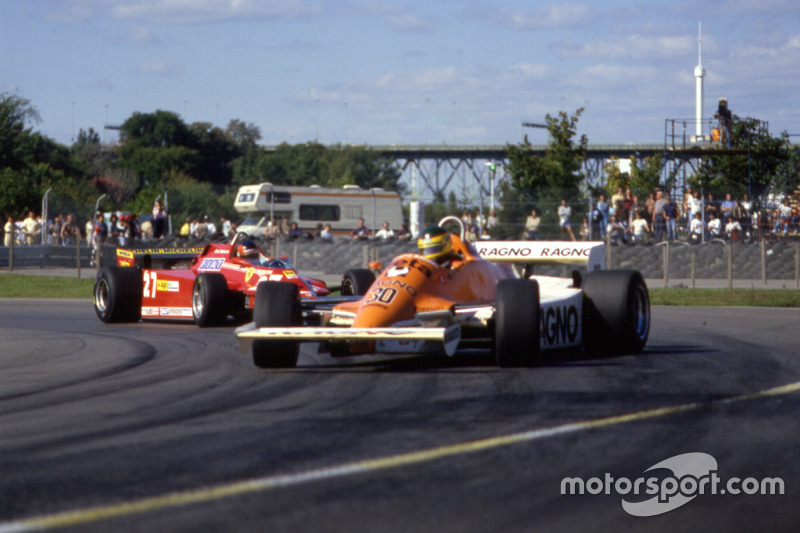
(516, 323)
(616, 312)
(277, 304)
(210, 299)
(357, 281)
(118, 294)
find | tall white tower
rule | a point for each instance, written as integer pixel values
(699, 72)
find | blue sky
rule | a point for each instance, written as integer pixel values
(400, 72)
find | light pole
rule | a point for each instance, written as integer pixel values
(493, 169)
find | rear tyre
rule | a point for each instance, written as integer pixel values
(357, 281)
(516, 323)
(277, 304)
(118, 294)
(616, 312)
(210, 299)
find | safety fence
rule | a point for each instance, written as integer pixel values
(674, 263)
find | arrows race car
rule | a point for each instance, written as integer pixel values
(205, 285)
(475, 298)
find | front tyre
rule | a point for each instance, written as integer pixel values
(616, 312)
(357, 281)
(118, 294)
(210, 299)
(277, 305)
(516, 323)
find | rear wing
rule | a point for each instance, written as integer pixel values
(590, 253)
(159, 258)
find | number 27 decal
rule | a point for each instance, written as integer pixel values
(150, 283)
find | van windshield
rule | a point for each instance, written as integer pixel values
(254, 219)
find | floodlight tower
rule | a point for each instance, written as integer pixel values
(699, 72)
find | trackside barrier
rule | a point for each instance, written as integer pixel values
(675, 263)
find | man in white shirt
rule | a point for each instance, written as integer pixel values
(32, 228)
(714, 226)
(696, 228)
(385, 233)
(564, 213)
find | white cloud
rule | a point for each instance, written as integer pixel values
(409, 23)
(186, 11)
(159, 68)
(632, 46)
(141, 35)
(552, 16)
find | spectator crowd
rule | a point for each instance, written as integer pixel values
(625, 219)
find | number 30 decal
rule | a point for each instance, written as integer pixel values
(384, 295)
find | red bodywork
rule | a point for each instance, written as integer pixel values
(167, 292)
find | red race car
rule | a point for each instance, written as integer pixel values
(205, 285)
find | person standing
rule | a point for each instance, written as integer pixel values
(671, 219)
(746, 217)
(69, 231)
(159, 220)
(385, 232)
(725, 118)
(564, 214)
(360, 232)
(532, 225)
(659, 222)
(8, 229)
(602, 207)
(492, 221)
(32, 228)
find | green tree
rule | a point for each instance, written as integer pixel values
(750, 166)
(543, 181)
(645, 176)
(30, 163)
(315, 164)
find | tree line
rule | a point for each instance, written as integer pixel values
(200, 166)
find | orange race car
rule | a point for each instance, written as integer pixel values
(454, 295)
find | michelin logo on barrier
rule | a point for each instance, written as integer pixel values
(691, 474)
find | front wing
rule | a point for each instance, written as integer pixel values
(449, 336)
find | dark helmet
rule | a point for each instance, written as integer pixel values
(247, 248)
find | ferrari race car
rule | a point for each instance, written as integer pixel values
(479, 299)
(205, 285)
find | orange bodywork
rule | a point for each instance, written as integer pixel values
(412, 284)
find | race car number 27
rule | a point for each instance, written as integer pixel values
(384, 295)
(150, 284)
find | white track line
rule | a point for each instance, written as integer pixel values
(189, 497)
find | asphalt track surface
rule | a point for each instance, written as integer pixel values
(164, 427)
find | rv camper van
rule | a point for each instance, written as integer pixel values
(309, 206)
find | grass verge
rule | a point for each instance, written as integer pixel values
(726, 297)
(28, 286)
(31, 286)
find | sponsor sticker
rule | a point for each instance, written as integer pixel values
(559, 325)
(210, 263)
(167, 286)
(175, 311)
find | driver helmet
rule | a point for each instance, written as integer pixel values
(435, 243)
(247, 248)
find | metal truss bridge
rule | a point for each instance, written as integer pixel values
(472, 171)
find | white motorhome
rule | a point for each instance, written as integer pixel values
(309, 206)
